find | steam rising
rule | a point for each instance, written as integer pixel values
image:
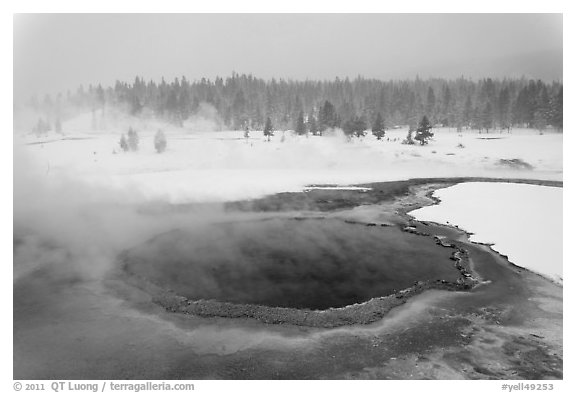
(60, 220)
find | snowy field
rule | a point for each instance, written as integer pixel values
(523, 222)
(223, 166)
(80, 168)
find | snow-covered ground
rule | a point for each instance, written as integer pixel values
(62, 179)
(222, 165)
(523, 222)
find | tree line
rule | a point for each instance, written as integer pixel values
(245, 102)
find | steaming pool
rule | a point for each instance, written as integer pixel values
(318, 284)
(312, 264)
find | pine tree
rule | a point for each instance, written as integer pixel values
(348, 128)
(133, 139)
(238, 109)
(467, 114)
(431, 101)
(135, 104)
(423, 133)
(300, 126)
(543, 113)
(360, 127)
(504, 115)
(539, 121)
(123, 143)
(160, 141)
(487, 117)
(521, 108)
(268, 129)
(327, 117)
(556, 116)
(476, 120)
(355, 126)
(311, 123)
(409, 140)
(448, 116)
(378, 128)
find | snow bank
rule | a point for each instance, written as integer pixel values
(523, 222)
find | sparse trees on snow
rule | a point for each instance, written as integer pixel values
(268, 129)
(355, 126)
(409, 139)
(160, 141)
(123, 143)
(423, 133)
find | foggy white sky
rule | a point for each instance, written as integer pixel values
(56, 52)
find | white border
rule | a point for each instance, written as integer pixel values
(257, 6)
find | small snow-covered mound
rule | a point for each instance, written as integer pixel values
(521, 221)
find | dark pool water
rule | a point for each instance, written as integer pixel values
(309, 264)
